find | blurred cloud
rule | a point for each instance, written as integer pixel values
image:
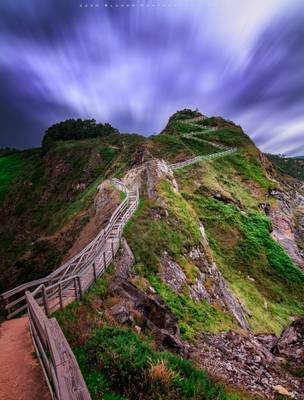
(135, 66)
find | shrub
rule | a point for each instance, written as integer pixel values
(117, 362)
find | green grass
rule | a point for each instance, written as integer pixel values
(243, 247)
(291, 166)
(118, 364)
(176, 234)
(47, 192)
(193, 317)
(10, 167)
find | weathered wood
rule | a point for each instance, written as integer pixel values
(94, 271)
(70, 381)
(61, 369)
(60, 295)
(45, 301)
(104, 260)
(80, 287)
(104, 246)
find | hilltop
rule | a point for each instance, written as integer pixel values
(209, 276)
(293, 166)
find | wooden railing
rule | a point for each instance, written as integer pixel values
(197, 159)
(58, 288)
(57, 360)
(192, 135)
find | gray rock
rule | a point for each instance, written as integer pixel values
(291, 342)
(124, 260)
(121, 313)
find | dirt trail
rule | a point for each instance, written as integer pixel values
(21, 377)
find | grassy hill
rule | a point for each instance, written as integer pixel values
(293, 166)
(46, 197)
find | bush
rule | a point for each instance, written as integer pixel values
(75, 129)
(117, 362)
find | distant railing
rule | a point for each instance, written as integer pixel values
(57, 360)
(197, 159)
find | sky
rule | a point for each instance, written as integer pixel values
(133, 63)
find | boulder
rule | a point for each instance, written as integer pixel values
(291, 342)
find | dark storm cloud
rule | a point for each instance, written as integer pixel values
(134, 67)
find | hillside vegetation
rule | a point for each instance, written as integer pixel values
(289, 165)
(46, 198)
(199, 234)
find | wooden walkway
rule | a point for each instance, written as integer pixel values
(193, 135)
(21, 377)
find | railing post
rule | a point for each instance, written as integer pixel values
(45, 301)
(80, 288)
(94, 272)
(112, 248)
(60, 296)
(75, 288)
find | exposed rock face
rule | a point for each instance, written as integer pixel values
(289, 204)
(147, 176)
(149, 311)
(241, 360)
(172, 274)
(217, 292)
(105, 203)
(291, 342)
(124, 260)
(220, 288)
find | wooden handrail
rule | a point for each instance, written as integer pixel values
(77, 265)
(57, 360)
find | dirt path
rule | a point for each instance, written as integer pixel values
(21, 377)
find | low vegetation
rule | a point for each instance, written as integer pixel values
(259, 271)
(76, 129)
(288, 165)
(119, 364)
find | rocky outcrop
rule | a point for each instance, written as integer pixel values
(123, 260)
(146, 310)
(216, 291)
(290, 206)
(290, 344)
(243, 361)
(147, 176)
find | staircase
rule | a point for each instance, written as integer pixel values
(192, 135)
(70, 281)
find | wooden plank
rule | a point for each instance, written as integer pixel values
(37, 316)
(16, 312)
(70, 381)
(45, 369)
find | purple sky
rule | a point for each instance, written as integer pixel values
(133, 66)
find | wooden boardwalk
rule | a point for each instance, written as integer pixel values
(39, 298)
(21, 377)
(193, 135)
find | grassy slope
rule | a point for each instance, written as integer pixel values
(259, 271)
(176, 234)
(291, 166)
(41, 193)
(226, 195)
(119, 364)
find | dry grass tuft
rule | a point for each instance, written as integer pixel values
(160, 373)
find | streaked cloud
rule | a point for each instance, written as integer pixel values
(135, 66)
